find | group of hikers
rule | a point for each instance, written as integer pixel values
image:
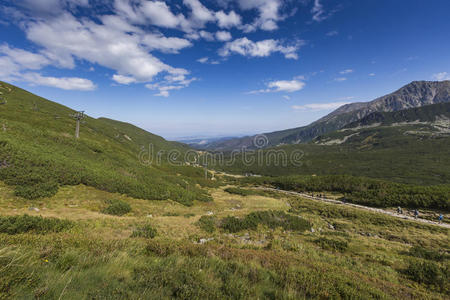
(416, 214)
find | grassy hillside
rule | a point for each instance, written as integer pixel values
(416, 153)
(256, 246)
(38, 153)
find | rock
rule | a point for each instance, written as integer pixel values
(312, 230)
(202, 241)
(331, 226)
(150, 216)
(34, 208)
(209, 213)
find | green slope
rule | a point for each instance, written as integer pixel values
(38, 153)
(415, 152)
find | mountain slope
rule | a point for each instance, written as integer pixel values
(407, 146)
(415, 94)
(38, 153)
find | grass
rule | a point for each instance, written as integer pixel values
(117, 207)
(113, 257)
(40, 155)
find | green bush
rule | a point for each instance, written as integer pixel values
(366, 191)
(427, 272)
(238, 191)
(35, 224)
(207, 223)
(117, 208)
(40, 190)
(424, 253)
(145, 231)
(271, 219)
(331, 244)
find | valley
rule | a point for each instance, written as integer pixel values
(100, 217)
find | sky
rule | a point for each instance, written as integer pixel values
(203, 68)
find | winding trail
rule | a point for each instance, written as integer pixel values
(377, 210)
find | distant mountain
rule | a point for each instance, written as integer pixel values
(415, 94)
(201, 143)
(408, 146)
(419, 115)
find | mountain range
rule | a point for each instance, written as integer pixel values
(412, 95)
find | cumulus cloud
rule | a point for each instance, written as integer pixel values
(441, 76)
(123, 79)
(340, 79)
(208, 36)
(65, 38)
(246, 47)
(223, 36)
(65, 83)
(165, 44)
(319, 106)
(159, 14)
(171, 82)
(199, 13)
(229, 20)
(15, 65)
(268, 13)
(24, 59)
(287, 86)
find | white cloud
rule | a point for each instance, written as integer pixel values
(318, 12)
(340, 79)
(123, 79)
(371, 74)
(246, 47)
(332, 33)
(172, 82)
(65, 37)
(441, 76)
(287, 97)
(223, 36)
(159, 14)
(15, 63)
(319, 106)
(199, 13)
(229, 20)
(165, 44)
(203, 60)
(208, 36)
(347, 71)
(287, 86)
(268, 13)
(65, 83)
(25, 59)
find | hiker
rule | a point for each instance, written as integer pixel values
(441, 217)
(399, 210)
(416, 213)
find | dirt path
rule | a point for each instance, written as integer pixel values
(377, 210)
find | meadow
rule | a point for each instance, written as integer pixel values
(277, 247)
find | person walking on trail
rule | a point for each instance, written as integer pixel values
(399, 210)
(416, 213)
(441, 218)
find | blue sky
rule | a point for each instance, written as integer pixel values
(188, 68)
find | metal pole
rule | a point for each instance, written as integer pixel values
(77, 129)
